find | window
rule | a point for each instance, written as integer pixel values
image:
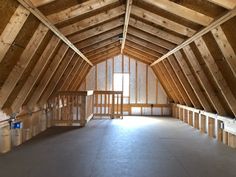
(121, 83)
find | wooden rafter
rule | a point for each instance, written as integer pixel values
(28, 5)
(126, 24)
(147, 44)
(63, 51)
(155, 31)
(203, 79)
(181, 11)
(161, 21)
(12, 29)
(35, 73)
(56, 77)
(96, 30)
(150, 38)
(177, 83)
(23, 62)
(101, 37)
(93, 21)
(38, 3)
(78, 10)
(102, 49)
(228, 4)
(213, 25)
(216, 73)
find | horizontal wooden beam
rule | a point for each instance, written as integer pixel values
(161, 21)
(150, 38)
(96, 30)
(213, 25)
(38, 3)
(181, 11)
(228, 4)
(94, 20)
(147, 44)
(80, 9)
(28, 5)
(101, 37)
(155, 31)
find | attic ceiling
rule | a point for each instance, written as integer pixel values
(45, 43)
(148, 28)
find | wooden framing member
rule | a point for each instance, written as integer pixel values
(49, 73)
(73, 77)
(82, 77)
(166, 74)
(74, 83)
(97, 30)
(216, 73)
(150, 38)
(38, 3)
(181, 11)
(183, 80)
(164, 83)
(146, 44)
(101, 37)
(176, 82)
(141, 56)
(228, 4)
(155, 31)
(114, 49)
(78, 10)
(94, 53)
(142, 48)
(203, 80)
(22, 63)
(12, 29)
(225, 48)
(126, 24)
(66, 74)
(103, 58)
(29, 6)
(94, 20)
(100, 45)
(193, 82)
(161, 21)
(35, 73)
(56, 77)
(213, 25)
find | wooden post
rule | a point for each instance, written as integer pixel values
(113, 106)
(231, 140)
(196, 120)
(190, 118)
(83, 111)
(219, 131)
(203, 124)
(211, 127)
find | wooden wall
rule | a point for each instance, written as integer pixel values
(145, 90)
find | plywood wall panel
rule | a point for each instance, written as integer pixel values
(109, 74)
(101, 76)
(132, 81)
(152, 94)
(141, 83)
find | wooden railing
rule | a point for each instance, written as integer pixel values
(108, 104)
(216, 126)
(78, 107)
(71, 108)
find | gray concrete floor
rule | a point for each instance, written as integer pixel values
(133, 147)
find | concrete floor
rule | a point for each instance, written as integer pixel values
(133, 147)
